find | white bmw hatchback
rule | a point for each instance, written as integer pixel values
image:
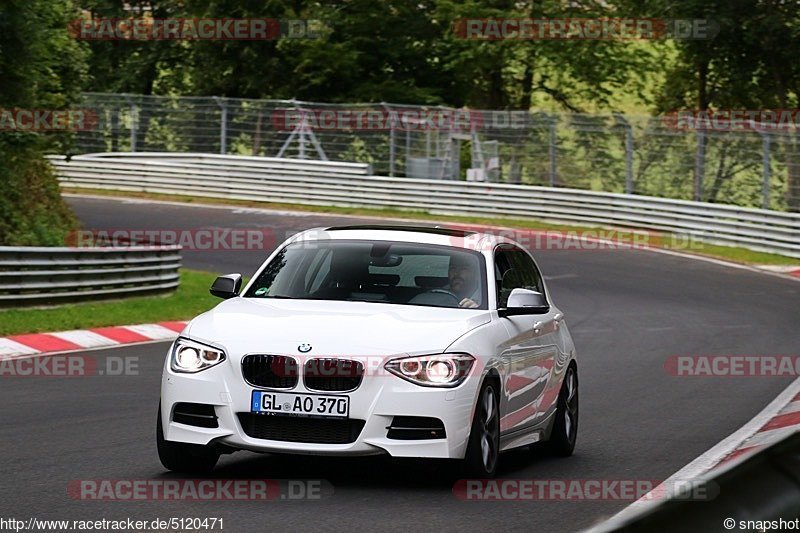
(359, 340)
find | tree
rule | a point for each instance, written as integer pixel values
(41, 67)
(750, 64)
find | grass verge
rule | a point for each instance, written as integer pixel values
(190, 299)
(660, 240)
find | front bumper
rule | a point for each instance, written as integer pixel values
(377, 401)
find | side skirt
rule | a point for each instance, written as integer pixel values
(528, 435)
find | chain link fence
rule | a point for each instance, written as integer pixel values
(614, 153)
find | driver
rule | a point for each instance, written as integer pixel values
(464, 280)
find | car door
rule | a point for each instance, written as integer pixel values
(531, 348)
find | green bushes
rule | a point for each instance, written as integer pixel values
(32, 212)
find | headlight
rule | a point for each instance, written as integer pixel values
(442, 370)
(190, 356)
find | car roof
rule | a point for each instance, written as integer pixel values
(437, 235)
(436, 230)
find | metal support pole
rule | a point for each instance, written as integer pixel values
(767, 171)
(553, 152)
(408, 149)
(301, 147)
(134, 119)
(629, 159)
(223, 125)
(301, 133)
(427, 143)
(392, 136)
(699, 165)
(628, 152)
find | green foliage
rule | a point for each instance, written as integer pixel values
(407, 51)
(32, 212)
(41, 67)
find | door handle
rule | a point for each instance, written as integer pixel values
(539, 324)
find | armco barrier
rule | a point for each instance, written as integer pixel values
(38, 276)
(311, 166)
(748, 494)
(757, 229)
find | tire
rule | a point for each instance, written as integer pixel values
(484, 438)
(184, 458)
(565, 428)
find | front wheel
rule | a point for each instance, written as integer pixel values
(565, 428)
(483, 449)
(182, 457)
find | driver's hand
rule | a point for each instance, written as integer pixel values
(466, 302)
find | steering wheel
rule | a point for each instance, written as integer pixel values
(448, 293)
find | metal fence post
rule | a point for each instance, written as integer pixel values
(699, 165)
(628, 152)
(223, 125)
(134, 118)
(392, 134)
(553, 153)
(629, 159)
(767, 171)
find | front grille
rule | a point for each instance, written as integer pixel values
(415, 428)
(330, 375)
(195, 414)
(273, 371)
(299, 429)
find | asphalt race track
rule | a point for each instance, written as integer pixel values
(628, 312)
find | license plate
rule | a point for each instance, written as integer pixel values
(285, 403)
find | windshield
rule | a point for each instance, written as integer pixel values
(372, 271)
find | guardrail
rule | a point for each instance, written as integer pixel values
(311, 166)
(761, 488)
(39, 276)
(757, 229)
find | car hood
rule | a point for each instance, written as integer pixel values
(246, 325)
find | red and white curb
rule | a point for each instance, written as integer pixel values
(785, 422)
(777, 420)
(36, 344)
(793, 271)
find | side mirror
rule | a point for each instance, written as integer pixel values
(525, 302)
(227, 286)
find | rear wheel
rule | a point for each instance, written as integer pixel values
(565, 428)
(182, 457)
(483, 449)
